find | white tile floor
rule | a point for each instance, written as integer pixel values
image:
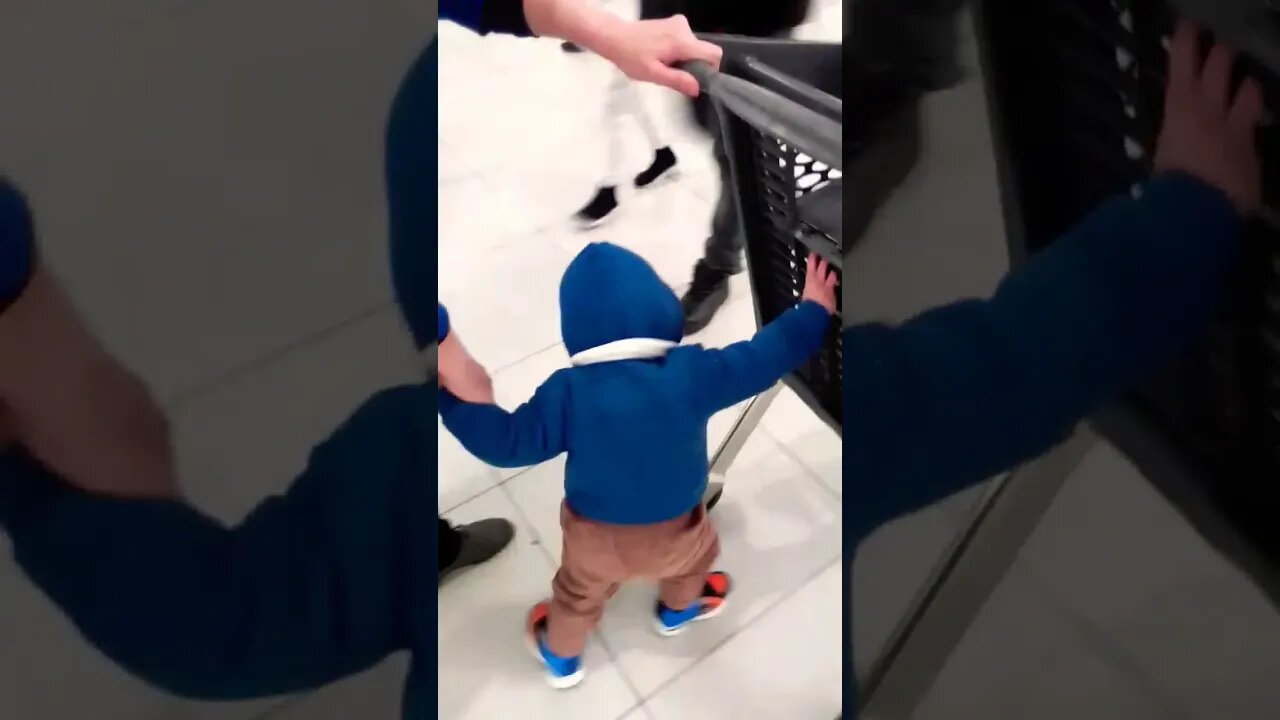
(519, 153)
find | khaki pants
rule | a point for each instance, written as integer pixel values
(598, 558)
(72, 406)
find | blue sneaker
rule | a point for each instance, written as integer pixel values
(562, 673)
(715, 592)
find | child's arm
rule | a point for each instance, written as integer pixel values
(748, 368)
(532, 433)
(313, 586)
(965, 391)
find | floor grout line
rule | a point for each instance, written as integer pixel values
(530, 356)
(1099, 640)
(812, 473)
(284, 705)
(181, 398)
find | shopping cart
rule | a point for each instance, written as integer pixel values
(1075, 89)
(778, 108)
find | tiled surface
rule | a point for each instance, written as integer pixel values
(1116, 556)
(229, 165)
(375, 694)
(1024, 660)
(484, 665)
(793, 640)
(250, 435)
(890, 568)
(777, 524)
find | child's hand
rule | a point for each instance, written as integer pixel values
(820, 284)
(1206, 132)
(461, 375)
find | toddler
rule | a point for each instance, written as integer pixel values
(632, 412)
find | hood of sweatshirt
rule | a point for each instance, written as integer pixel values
(609, 296)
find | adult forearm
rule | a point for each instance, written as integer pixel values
(577, 21)
(461, 375)
(70, 403)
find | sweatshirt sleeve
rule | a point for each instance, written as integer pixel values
(505, 17)
(748, 368)
(17, 244)
(442, 323)
(965, 391)
(311, 587)
(531, 434)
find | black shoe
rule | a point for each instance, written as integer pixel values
(599, 209)
(707, 292)
(570, 47)
(481, 541)
(663, 166)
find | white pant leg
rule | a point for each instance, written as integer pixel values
(623, 98)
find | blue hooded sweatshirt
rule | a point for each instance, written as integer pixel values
(632, 412)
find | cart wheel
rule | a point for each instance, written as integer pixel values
(714, 493)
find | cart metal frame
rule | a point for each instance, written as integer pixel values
(758, 102)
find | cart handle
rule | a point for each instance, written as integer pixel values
(818, 136)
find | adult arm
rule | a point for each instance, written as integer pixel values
(460, 374)
(644, 50)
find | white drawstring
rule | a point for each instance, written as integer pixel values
(628, 349)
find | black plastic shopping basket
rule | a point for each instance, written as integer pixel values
(1076, 93)
(778, 104)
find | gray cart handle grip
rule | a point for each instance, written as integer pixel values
(817, 136)
(701, 70)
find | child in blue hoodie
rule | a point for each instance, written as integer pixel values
(631, 413)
